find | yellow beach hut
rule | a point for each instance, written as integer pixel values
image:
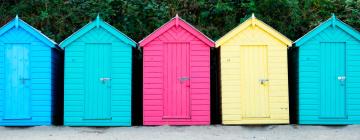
(254, 75)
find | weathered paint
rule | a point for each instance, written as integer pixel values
(27, 74)
(176, 85)
(254, 77)
(98, 67)
(329, 71)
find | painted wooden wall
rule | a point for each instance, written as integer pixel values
(98, 68)
(251, 52)
(176, 69)
(28, 62)
(328, 52)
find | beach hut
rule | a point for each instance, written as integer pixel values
(254, 77)
(98, 68)
(29, 64)
(329, 74)
(176, 70)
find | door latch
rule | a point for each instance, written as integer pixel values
(182, 79)
(103, 80)
(23, 80)
(342, 79)
(263, 81)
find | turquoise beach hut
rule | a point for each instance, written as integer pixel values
(329, 74)
(97, 76)
(29, 75)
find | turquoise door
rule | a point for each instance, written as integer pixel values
(333, 81)
(98, 82)
(17, 79)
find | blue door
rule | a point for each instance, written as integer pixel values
(98, 81)
(17, 79)
(333, 81)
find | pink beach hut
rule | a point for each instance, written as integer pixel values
(176, 85)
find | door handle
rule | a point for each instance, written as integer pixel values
(23, 80)
(182, 79)
(342, 79)
(263, 81)
(104, 79)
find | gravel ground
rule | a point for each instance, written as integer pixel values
(218, 132)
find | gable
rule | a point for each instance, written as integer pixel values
(332, 28)
(97, 35)
(177, 22)
(18, 35)
(254, 35)
(98, 23)
(252, 23)
(19, 26)
(177, 34)
(331, 34)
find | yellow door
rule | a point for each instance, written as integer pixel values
(254, 82)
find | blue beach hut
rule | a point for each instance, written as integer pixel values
(329, 74)
(29, 73)
(98, 67)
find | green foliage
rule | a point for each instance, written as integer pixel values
(137, 18)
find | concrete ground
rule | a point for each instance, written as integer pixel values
(214, 132)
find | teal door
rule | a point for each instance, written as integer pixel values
(97, 81)
(333, 81)
(17, 82)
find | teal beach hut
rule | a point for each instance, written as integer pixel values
(329, 74)
(98, 66)
(29, 75)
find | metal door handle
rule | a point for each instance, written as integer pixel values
(263, 81)
(342, 79)
(105, 79)
(182, 79)
(24, 79)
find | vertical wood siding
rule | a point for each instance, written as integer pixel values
(176, 94)
(40, 84)
(311, 90)
(120, 68)
(233, 105)
(154, 80)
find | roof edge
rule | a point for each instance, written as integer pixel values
(98, 22)
(332, 21)
(253, 21)
(169, 24)
(17, 22)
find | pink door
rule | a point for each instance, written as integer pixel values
(176, 81)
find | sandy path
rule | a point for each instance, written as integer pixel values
(276, 132)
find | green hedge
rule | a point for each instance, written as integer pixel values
(137, 18)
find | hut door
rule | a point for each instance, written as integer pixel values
(254, 82)
(332, 80)
(176, 81)
(17, 82)
(98, 81)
